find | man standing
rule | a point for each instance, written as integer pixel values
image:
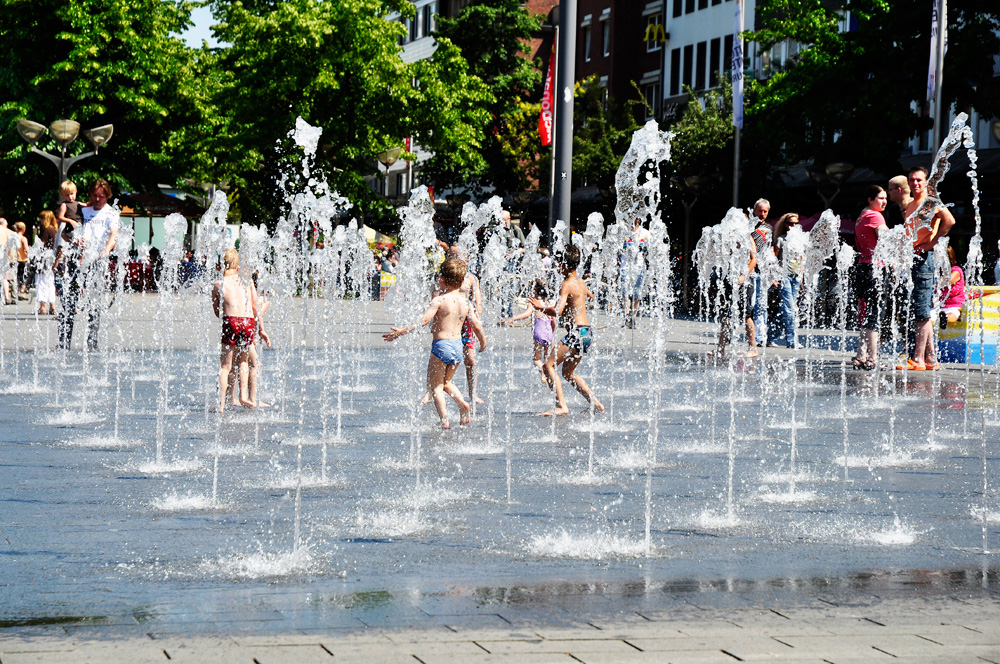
(633, 270)
(761, 236)
(514, 239)
(511, 233)
(87, 265)
(898, 191)
(7, 260)
(926, 221)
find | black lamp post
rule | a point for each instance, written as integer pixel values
(693, 184)
(830, 178)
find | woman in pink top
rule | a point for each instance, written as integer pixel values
(951, 310)
(866, 229)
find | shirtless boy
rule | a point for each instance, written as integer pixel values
(572, 307)
(237, 305)
(448, 312)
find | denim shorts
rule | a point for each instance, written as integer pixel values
(921, 299)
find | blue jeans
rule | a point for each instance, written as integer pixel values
(758, 293)
(789, 315)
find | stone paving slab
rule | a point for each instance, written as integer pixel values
(820, 635)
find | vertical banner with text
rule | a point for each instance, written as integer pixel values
(545, 119)
(738, 67)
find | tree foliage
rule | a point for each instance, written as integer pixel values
(602, 132)
(96, 62)
(856, 94)
(337, 65)
(491, 36)
(703, 134)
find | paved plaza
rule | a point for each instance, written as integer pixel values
(581, 611)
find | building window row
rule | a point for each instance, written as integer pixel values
(698, 65)
(586, 28)
(681, 7)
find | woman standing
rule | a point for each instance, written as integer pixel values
(45, 278)
(866, 229)
(790, 283)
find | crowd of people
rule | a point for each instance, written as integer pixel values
(77, 240)
(925, 221)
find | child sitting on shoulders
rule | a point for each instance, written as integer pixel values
(448, 312)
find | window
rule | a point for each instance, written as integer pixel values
(405, 37)
(688, 63)
(418, 22)
(702, 4)
(606, 37)
(699, 71)
(716, 2)
(414, 29)
(653, 33)
(678, 8)
(727, 56)
(688, 6)
(586, 43)
(675, 72)
(652, 94)
(430, 18)
(714, 61)
(400, 184)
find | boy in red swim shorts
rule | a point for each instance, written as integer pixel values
(236, 302)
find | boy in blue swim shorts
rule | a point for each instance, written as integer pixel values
(447, 314)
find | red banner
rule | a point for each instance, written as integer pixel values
(545, 119)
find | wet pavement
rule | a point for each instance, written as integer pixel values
(105, 556)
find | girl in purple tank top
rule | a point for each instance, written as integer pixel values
(543, 329)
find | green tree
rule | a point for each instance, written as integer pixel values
(96, 62)
(492, 37)
(849, 94)
(703, 134)
(338, 66)
(602, 132)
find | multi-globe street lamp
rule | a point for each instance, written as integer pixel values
(63, 132)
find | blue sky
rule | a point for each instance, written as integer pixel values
(202, 17)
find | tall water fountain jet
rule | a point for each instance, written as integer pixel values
(637, 184)
(312, 205)
(410, 295)
(822, 242)
(845, 259)
(174, 227)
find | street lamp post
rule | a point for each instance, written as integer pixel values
(834, 174)
(694, 185)
(63, 132)
(387, 159)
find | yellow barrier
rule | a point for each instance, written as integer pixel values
(387, 282)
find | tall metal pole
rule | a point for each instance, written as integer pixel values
(940, 114)
(563, 150)
(737, 97)
(555, 139)
(736, 170)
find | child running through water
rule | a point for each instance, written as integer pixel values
(572, 305)
(448, 312)
(544, 329)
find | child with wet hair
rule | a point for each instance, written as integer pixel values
(543, 331)
(447, 313)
